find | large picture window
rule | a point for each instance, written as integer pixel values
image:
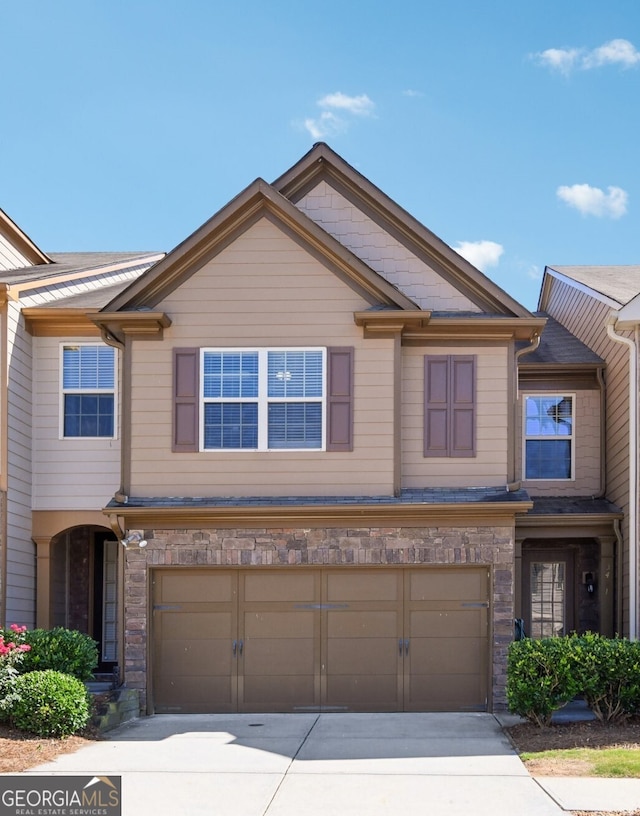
(88, 391)
(548, 433)
(263, 399)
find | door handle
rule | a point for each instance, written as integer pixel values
(400, 644)
(406, 647)
(240, 647)
(234, 647)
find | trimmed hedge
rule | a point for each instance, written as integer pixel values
(49, 704)
(543, 675)
(63, 650)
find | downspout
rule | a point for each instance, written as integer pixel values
(633, 470)
(111, 340)
(535, 342)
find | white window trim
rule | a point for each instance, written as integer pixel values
(526, 438)
(63, 391)
(263, 399)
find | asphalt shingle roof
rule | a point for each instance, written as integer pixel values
(620, 283)
(559, 347)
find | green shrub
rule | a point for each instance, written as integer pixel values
(49, 704)
(541, 677)
(63, 650)
(608, 672)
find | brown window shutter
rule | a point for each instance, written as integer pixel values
(463, 406)
(339, 399)
(436, 405)
(186, 371)
(450, 405)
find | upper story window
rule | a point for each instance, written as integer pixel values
(263, 399)
(549, 437)
(88, 391)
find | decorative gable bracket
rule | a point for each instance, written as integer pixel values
(144, 324)
(412, 325)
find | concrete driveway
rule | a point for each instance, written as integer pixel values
(313, 765)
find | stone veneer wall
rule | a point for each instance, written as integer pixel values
(393, 546)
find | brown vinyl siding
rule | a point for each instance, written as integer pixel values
(253, 302)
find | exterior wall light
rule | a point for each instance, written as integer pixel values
(135, 539)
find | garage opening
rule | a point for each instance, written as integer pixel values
(325, 639)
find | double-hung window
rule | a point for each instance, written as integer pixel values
(88, 391)
(549, 436)
(263, 399)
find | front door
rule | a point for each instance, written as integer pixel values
(547, 592)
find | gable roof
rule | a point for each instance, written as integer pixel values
(258, 200)
(23, 251)
(613, 285)
(322, 163)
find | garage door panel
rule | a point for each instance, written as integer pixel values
(440, 656)
(194, 586)
(446, 692)
(272, 656)
(362, 585)
(441, 585)
(297, 624)
(193, 696)
(374, 656)
(280, 586)
(180, 626)
(200, 658)
(449, 623)
(361, 623)
(280, 692)
(363, 692)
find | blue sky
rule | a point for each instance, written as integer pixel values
(510, 128)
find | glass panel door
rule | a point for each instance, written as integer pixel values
(548, 593)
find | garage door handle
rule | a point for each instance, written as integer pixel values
(240, 647)
(400, 646)
(406, 647)
(234, 647)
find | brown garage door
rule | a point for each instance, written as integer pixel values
(352, 639)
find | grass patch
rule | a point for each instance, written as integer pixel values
(606, 762)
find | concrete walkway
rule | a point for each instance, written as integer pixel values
(320, 765)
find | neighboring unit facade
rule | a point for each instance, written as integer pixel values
(599, 305)
(351, 458)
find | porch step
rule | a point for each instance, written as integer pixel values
(112, 707)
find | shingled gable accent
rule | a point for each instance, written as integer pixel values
(322, 163)
(257, 201)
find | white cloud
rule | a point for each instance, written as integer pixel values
(620, 52)
(615, 52)
(559, 59)
(534, 272)
(357, 105)
(594, 201)
(410, 92)
(481, 254)
(330, 123)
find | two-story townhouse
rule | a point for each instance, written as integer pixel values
(345, 458)
(599, 305)
(73, 465)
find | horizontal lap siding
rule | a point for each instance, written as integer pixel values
(20, 576)
(68, 474)
(243, 299)
(489, 466)
(586, 481)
